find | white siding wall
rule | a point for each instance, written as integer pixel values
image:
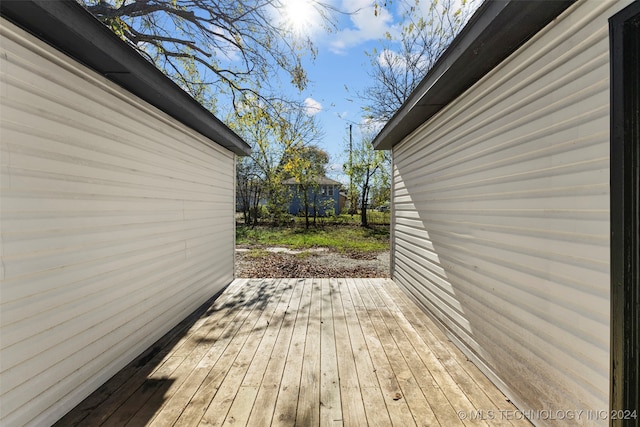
(117, 222)
(502, 217)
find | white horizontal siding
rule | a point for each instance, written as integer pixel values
(116, 223)
(501, 223)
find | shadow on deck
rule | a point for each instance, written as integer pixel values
(305, 352)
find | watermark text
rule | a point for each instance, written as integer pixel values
(547, 414)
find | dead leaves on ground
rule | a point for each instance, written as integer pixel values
(273, 265)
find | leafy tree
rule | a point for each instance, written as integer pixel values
(235, 47)
(406, 56)
(367, 166)
(277, 141)
(306, 164)
(380, 193)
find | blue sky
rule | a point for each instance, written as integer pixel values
(340, 71)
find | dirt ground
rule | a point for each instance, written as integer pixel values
(318, 263)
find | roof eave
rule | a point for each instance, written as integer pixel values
(68, 27)
(495, 31)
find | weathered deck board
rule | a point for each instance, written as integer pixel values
(454, 369)
(306, 352)
(308, 406)
(375, 408)
(289, 389)
(182, 404)
(264, 407)
(350, 391)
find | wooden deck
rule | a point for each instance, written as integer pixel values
(305, 352)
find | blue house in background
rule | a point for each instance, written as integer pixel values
(325, 197)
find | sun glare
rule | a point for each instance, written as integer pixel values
(299, 14)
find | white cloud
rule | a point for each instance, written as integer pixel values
(312, 107)
(365, 26)
(224, 49)
(373, 126)
(336, 171)
(391, 59)
(335, 168)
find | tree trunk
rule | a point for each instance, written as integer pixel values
(256, 204)
(306, 217)
(306, 208)
(315, 209)
(365, 196)
(363, 211)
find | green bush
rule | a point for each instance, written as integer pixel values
(341, 238)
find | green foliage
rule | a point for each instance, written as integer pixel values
(373, 218)
(368, 169)
(305, 165)
(257, 253)
(281, 138)
(304, 255)
(345, 239)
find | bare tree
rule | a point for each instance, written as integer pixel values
(249, 190)
(406, 57)
(235, 47)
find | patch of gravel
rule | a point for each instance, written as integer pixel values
(318, 263)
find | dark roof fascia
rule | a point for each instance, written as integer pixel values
(496, 30)
(68, 27)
